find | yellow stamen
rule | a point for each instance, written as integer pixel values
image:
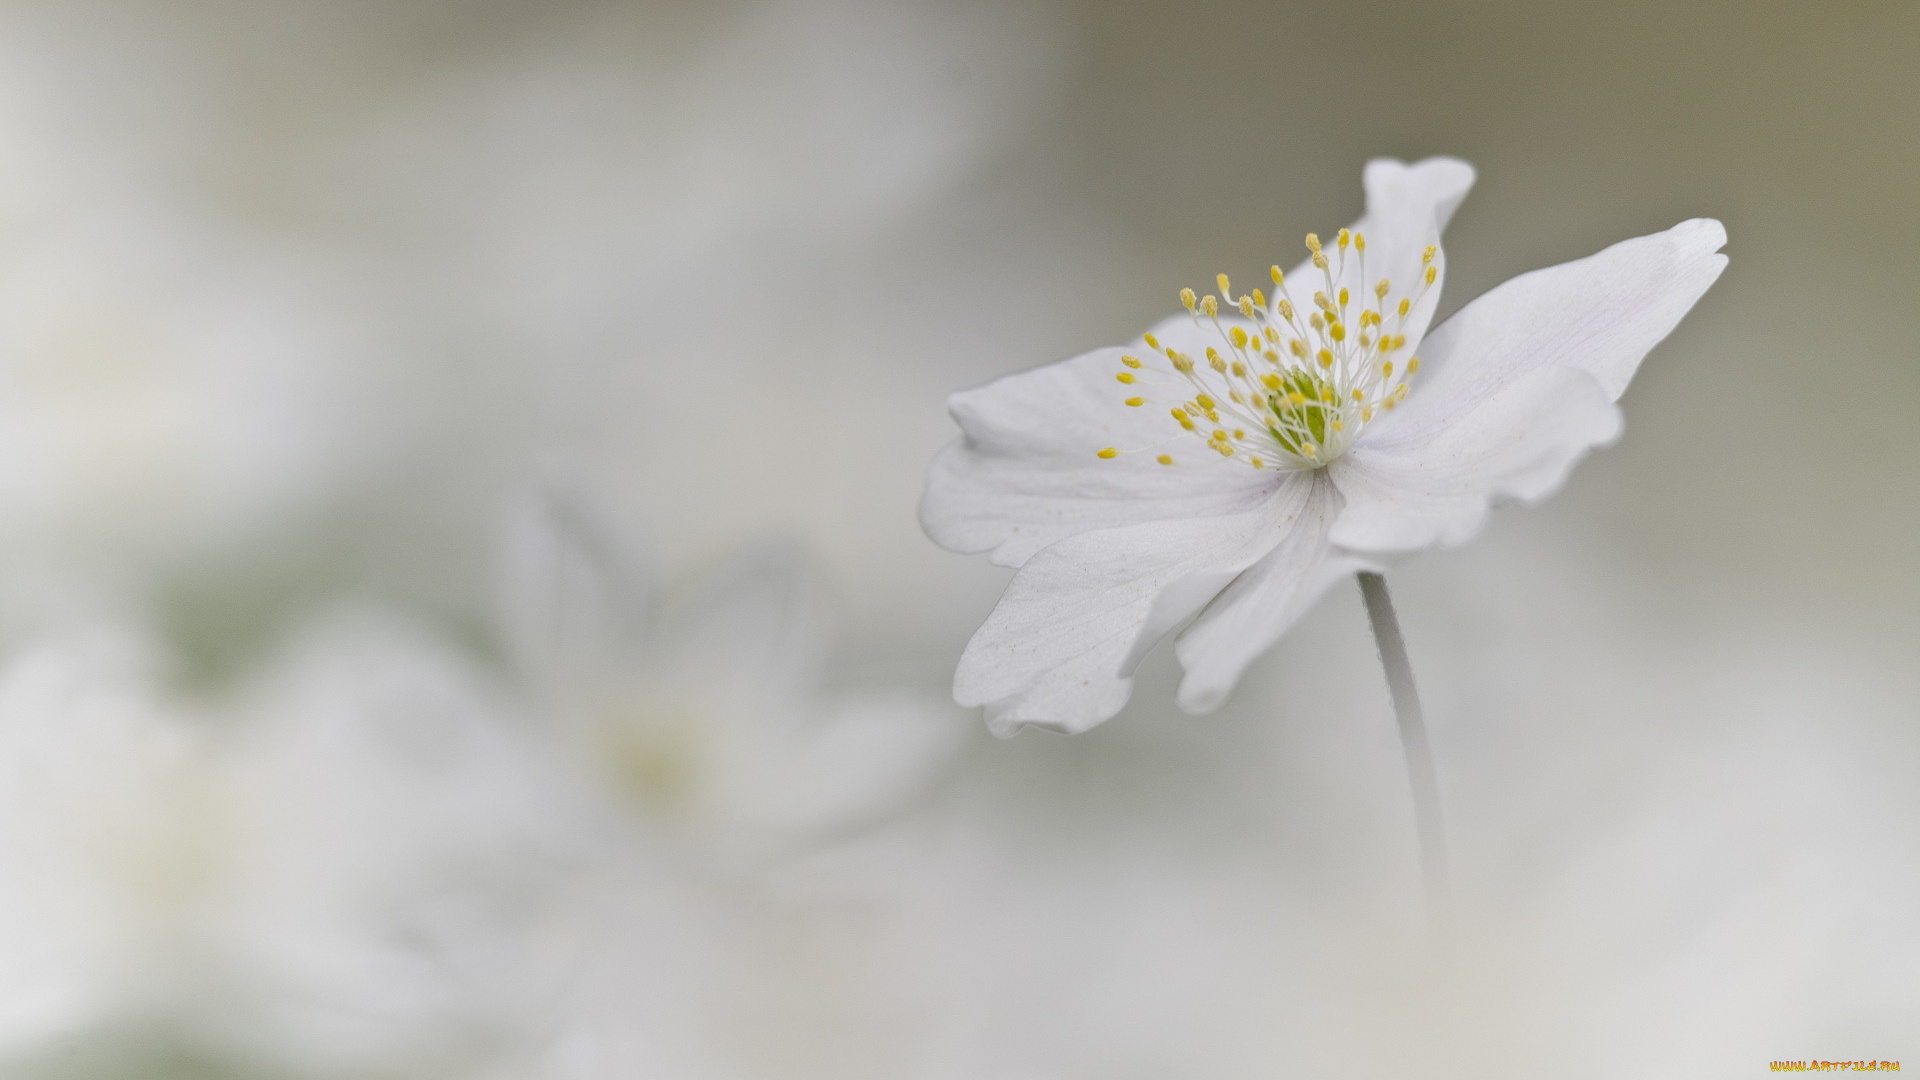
(1109, 452)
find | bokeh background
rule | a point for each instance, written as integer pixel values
(464, 613)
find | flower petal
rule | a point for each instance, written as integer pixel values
(1408, 206)
(1263, 602)
(1025, 472)
(1518, 443)
(1058, 650)
(1600, 314)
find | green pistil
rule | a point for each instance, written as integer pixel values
(1311, 415)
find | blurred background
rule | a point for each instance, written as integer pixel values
(464, 613)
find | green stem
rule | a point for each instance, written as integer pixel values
(1413, 736)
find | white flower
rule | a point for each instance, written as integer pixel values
(699, 708)
(1257, 449)
(351, 873)
(747, 915)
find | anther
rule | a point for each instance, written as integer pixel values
(1338, 332)
(1413, 365)
(1165, 459)
(1406, 305)
(1381, 289)
(1186, 299)
(1274, 273)
(1432, 272)
(1427, 256)
(1110, 452)
(1326, 358)
(1360, 241)
(1221, 280)
(1130, 361)
(1136, 402)
(1153, 342)
(1239, 337)
(1345, 239)
(1125, 376)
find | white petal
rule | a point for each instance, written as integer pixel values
(1263, 602)
(1518, 443)
(1408, 206)
(1025, 472)
(1057, 651)
(1600, 315)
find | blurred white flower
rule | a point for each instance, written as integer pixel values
(751, 916)
(171, 375)
(351, 873)
(404, 847)
(106, 854)
(700, 707)
(1253, 459)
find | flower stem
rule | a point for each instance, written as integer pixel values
(1413, 736)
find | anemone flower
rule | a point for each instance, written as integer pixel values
(1225, 469)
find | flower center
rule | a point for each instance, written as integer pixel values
(1290, 385)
